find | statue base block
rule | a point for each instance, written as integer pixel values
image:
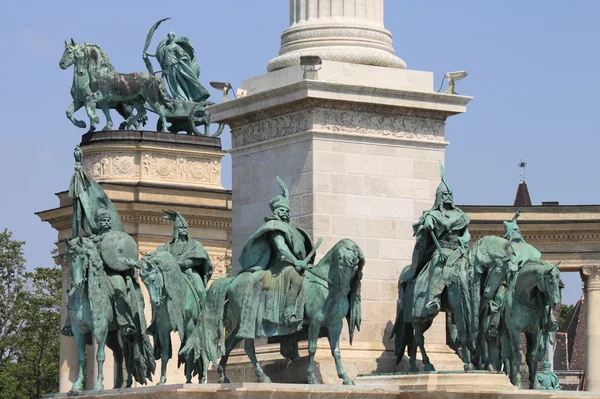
(441, 380)
(289, 391)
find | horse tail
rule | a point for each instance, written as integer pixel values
(403, 333)
(469, 321)
(210, 338)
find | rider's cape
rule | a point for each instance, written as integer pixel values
(196, 252)
(261, 314)
(258, 252)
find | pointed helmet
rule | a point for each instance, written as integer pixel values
(443, 188)
(512, 225)
(177, 219)
(283, 200)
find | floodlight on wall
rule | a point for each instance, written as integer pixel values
(225, 87)
(452, 77)
(310, 65)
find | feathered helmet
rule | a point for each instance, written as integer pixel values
(177, 219)
(283, 200)
(442, 189)
(512, 225)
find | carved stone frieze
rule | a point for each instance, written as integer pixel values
(267, 129)
(220, 265)
(545, 236)
(155, 166)
(342, 117)
(383, 125)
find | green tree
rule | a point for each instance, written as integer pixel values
(31, 310)
(563, 313)
(12, 280)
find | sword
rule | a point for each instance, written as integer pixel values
(308, 257)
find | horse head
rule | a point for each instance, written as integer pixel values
(68, 57)
(157, 267)
(347, 263)
(78, 255)
(549, 283)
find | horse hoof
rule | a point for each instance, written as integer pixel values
(313, 380)
(469, 367)
(162, 381)
(165, 130)
(106, 128)
(264, 379)
(348, 381)
(224, 381)
(428, 367)
(491, 368)
(80, 124)
(98, 387)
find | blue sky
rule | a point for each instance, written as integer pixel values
(533, 70)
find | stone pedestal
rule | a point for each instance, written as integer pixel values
(360, 151)
(144, 173)
(348, 31)
(591, 287)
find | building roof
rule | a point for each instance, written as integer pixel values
(522, 198)
(569, 348)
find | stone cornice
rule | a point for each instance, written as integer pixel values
(545, 236)
(283, 96)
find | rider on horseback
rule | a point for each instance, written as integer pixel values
(280, 250)
(193, 259)
(442, 236)
(524, 252)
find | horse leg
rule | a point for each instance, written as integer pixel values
(515, 376)
(112, 341)
(165, 343)
(230, 343)
(80, 340)
(100, 356)
(74, 107)
(90, 108)
(160, 110)
(202, 377)
(420, 338)
(106, 111)
(250, 351)
(313, 336)
(532, 356)
(333, 334)
(132, 121)
(412, 353)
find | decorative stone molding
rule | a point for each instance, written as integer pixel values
(545, 236)
(349, 31)
(156, 166)
(220, 264)
(361, 119)
(390, 126)
(591, 277)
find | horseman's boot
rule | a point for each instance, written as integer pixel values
(198, 285)
(123, 312)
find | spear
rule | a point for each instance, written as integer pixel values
(148, 41)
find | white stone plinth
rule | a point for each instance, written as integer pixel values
(349, 31)
(360, 156)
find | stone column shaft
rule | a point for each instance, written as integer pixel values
(349, 31)
(591, 279)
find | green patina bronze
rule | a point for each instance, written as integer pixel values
(495, 290)
(95, 83)
(105, 298)
(281, 294)
(176, 275)
(180, 70)
(547, 380)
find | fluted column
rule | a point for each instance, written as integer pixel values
(591, 289)
(337, 30)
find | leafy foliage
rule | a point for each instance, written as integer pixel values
(563, 313)
(29, 333)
